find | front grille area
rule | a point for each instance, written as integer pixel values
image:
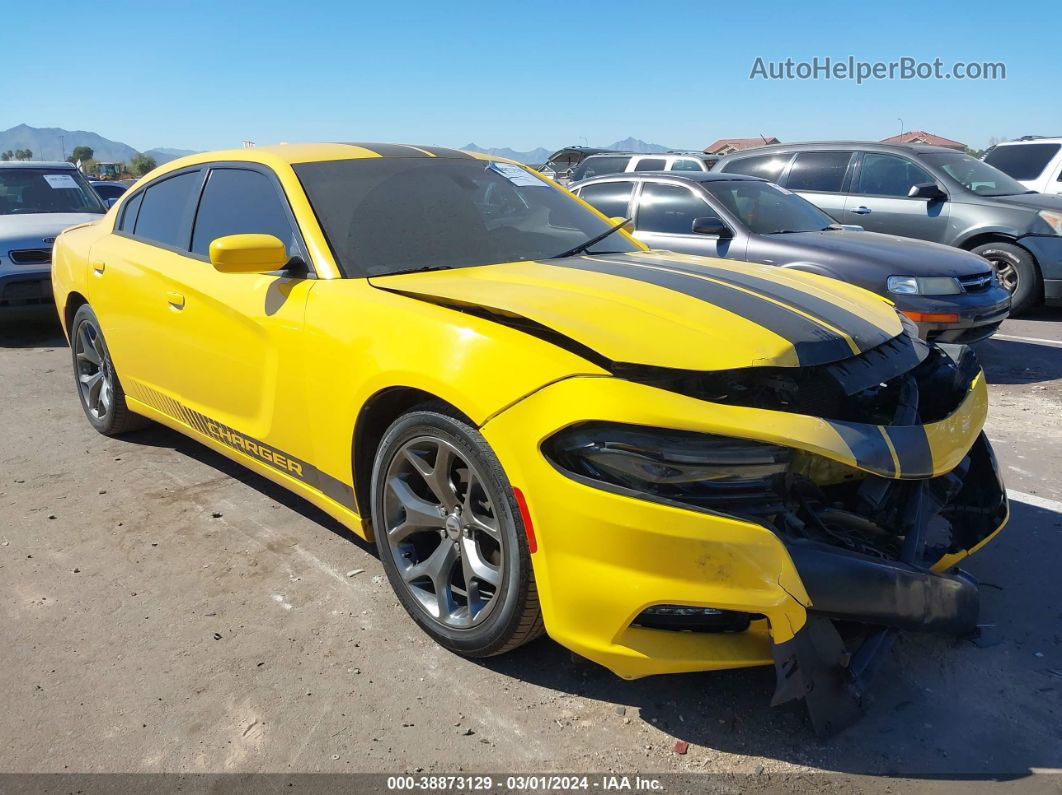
(979, 282)
(31, 256)
(28, 292)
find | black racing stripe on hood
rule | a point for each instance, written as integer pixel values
(390, 150)
(866, 334)
(813, 343)
(912, 449)
(867, 445)
(442, 151)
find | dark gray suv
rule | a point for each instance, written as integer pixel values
(930, 193)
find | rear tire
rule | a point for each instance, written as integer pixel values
(1017, 272)
(98, 387)
(450, 537)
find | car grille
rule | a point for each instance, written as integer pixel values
(31, 292)
(976, 283)
(31, 256)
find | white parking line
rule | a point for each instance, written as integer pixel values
(1033, 340)
(1037, 502)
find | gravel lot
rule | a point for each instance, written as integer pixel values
(165, 610)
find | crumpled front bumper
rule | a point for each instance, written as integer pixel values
(604, 556)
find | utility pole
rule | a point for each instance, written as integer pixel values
(901, 125)
(62, 145)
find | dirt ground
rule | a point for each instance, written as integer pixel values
(165, 610)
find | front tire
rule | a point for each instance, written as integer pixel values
(1017, 272)
(450, 536)
(98, 387)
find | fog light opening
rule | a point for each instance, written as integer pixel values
(684, 618)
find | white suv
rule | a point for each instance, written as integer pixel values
(1035, 162)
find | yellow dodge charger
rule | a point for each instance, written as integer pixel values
(667, 463)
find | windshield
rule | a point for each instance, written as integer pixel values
(767, 209)
(975, 175)
(391, 215)
(46, 190)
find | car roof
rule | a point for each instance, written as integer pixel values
(36, 164)
(292, 154)
(683, 176)
(873, 146)
(1037, 140)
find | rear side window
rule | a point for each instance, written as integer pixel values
(651, 164)
(597, 166)
(669, 209)
(129, 212)
(818, 171)
(241, 202)
(611, 198)
(686, 164)
(766, 166)
(163, 215)
(1022, 161)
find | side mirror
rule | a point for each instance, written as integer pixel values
(927, 190)
(711, 226)
(248, 254)
(619, 219)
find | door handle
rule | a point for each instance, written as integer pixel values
(99, 266)
(175, 299)
(861, 211)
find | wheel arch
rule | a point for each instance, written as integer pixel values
(74, 301)
(375, 417)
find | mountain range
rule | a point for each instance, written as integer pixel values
(536, 157)
(55, 143)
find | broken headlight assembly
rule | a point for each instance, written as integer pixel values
(694, 469)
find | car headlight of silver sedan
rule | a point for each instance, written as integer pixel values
(924, 285)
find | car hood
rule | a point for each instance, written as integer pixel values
(878, 255)
(38, 230)
(667, 310)
(1031, 201)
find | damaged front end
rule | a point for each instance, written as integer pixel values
(874, 540)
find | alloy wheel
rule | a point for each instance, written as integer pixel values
(443, 532)
(1005, 272)
(95, 375)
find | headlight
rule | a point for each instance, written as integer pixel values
(924, 285)
(1053, 220)
(695, 468)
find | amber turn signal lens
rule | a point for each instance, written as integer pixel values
(933, 317)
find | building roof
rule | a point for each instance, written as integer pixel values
(736, 144)
(923, 137)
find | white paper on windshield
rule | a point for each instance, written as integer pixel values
(516, 175)
(61, 181)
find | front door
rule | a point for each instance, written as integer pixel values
(664, 219)
(879, 202)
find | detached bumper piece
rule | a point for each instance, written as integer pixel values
(869, 598)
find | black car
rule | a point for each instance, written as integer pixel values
(926, 192)
(952, 295)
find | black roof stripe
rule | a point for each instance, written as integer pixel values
(408, 150)
(813, 343)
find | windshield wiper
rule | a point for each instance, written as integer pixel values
(422, 269)
(596, 239)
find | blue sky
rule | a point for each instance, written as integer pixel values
(202, 75)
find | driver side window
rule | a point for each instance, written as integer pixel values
(889, 175)
(238, 202)
(669, 209)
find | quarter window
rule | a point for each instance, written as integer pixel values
(651, 164)
(241, 202)
(818, 171)
(669, 209)
(766, 166)
(129, 211)
(611, 198)
(163, 211)
(889, 175)
(686, 164)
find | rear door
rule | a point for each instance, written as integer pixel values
(879, 202)
(821, 177)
